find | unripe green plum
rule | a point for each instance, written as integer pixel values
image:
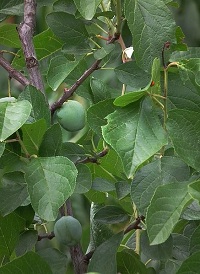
(68, 230)
(8, 99)
(71, 116)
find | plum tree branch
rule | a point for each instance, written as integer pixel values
(135, 225)
(93, 159)
(13, 73)
(25, 31)
(68, 92)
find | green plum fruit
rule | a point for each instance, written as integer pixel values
(71, 116)
(68, 230)
(8, 99)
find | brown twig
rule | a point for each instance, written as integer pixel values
(46, 236)
(88, 256)
(25, 31)
(13, 73)
(135, 225)
(165, 46)
(68, 92)
(93, 159)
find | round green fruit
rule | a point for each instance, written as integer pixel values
(71, 116)
(68, 230)
(8, 99)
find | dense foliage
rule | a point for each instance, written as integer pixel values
(131, 174)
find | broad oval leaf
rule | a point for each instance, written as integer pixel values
(165, 209)
(129, 262)
(13, 192)
(51, 180)
(190, 265)
(96, 115)
(132, 75)
(104, 257)
(67, 27)
(60, 67)
(135, 133)
(84, 179)
(12, 117)
(151, 24)
(111, 214)
(40, 108)
(10, 228)
(87, 8)
(194, 190)
(148, 178)
(194, 241)
(183, 127)
(31, 262)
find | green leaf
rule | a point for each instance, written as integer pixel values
(27, 242)
(12, 117)
(156, 252)
(110, 166)
(40, 108)
(180, 247)
(46, 43)
(55, 259)
(51, 181)
(194, 190)
(129, 262)
(99, 89)
(72, 151)
(52, 142)
(111, 214)
(189, 70)
(192, 212)
(2, 147)
(26, 213)
(11, 159)
(129, 98)
(32, 135)
(192, 52)
(135, 133)
(67, 27)
(99, 232)
(148, 178)
(190, 265)
(84, 89)
(10, 227)
(11, 7)
(122, 189)
(87, 8)
(151, 25)
(104, 51)
(13, 192)
(165, 209)
(183, 127)
(67, 6)
(9, 36)
(194, 241)
(96, 115)
(95, 196)
(102, 185)
(104, 257)
(84, 179)
(131, 74)
(28, 263)
(60, 67)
